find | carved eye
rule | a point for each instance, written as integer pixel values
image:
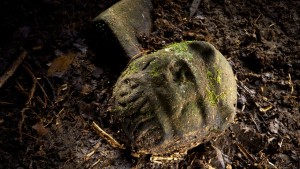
(205, 51)
(181, 72)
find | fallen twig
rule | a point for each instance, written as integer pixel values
(161, 159)
(246, 154)
(41, 102)
(44, 93)
(4, 103)
(51, 87)
(114, 143)
(88, 156)
(95, 163)
(11, 70)
(34, 80)
(56, 116)
(20, 88)
(21, 122)
(291, 84)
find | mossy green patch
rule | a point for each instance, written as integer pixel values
(182, 50)
(180, 47)
(214, 79)
(155, 68)
(131, 69)
(213, 97)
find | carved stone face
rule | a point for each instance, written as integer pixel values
(174, 99)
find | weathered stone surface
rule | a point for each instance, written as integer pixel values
(126, 19)
(174, 99)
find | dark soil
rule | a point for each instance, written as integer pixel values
(46, 111)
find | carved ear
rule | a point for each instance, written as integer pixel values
(204, 50)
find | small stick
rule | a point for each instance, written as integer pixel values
(95, 163)
(11, 70)
(3, 103)
(114, 143)
(57, 115)
(256, 19)
(44, 93)
(291, 84)
(34, 80)
(21, 122)
(51, 86)
(159, 160)
(20, 88)
(39, 100)
(246, 153)
(87, 156)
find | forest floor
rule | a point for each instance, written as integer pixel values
(62, 86)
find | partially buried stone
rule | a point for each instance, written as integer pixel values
(174, 99)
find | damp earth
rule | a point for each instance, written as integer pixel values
(62, 84)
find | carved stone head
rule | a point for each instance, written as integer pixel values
(174, 99)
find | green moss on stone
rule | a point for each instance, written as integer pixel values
(214, 78)
(155, 68)
(213, 97)
(181, 50)
(131, 69)
(182, 47)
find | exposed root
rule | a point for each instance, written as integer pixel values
(20, 124)
(11, 70)
(33, 88)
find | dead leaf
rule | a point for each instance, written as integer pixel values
(60, 65)
(40, 129)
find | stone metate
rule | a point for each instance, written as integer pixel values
(174, 99)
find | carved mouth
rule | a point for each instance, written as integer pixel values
(137, 114)
(143, 127)
(143, 123)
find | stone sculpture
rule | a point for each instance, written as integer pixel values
(174, 99)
